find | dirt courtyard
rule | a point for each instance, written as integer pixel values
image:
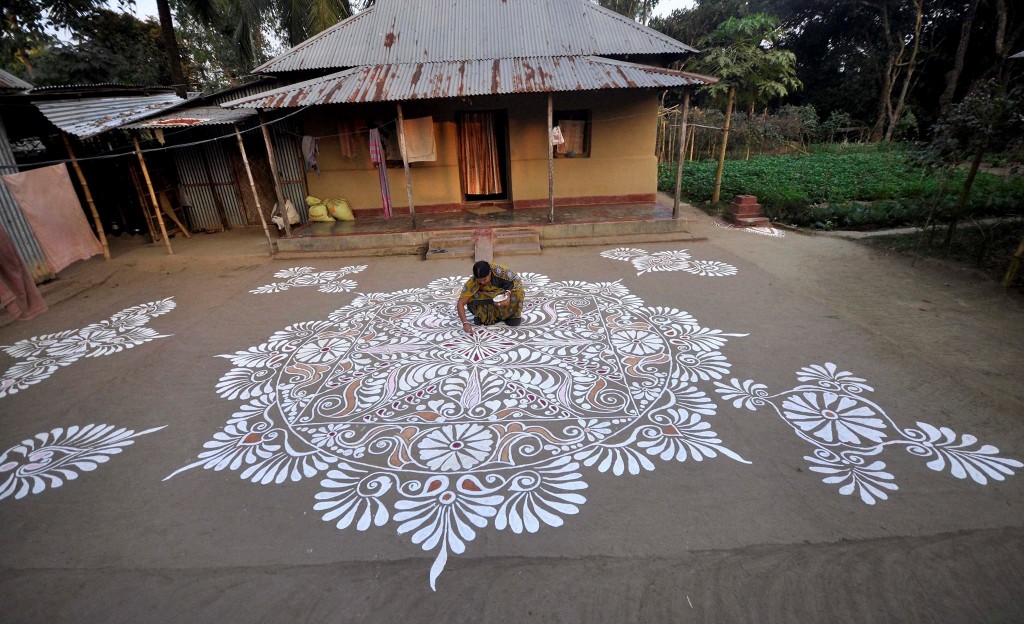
(747, 428)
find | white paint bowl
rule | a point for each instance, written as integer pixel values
(500, 298)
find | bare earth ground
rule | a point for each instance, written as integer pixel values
(710, 541)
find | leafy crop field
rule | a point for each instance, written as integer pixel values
(847, 186)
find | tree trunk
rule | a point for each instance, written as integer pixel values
(911, 65)
(953, 76)
(961, 204)
(163, 8)
(888, 80)
(725, 143)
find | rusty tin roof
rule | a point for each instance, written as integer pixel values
(85, 117)
(417, 81)
(395, 32)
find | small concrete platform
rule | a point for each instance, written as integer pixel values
(515, 232)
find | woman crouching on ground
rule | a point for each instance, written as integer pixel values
(493, 294)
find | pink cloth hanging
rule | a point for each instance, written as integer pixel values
(50, 205)
(379, 158)
(18, 292)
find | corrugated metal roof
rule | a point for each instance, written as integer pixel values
(10, 81)
(427, 31)
(197, 116)
(418, 81)
(86, 117)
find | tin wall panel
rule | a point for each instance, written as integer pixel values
(288, 152)
(193, 178)
(14, 222)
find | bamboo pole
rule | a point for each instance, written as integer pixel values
(277, 178)
(682, 152)
(405, 164)
(152, 196)
(693, 141)
(88, 198)
(141, 195)
(551, 160)
(252, 185)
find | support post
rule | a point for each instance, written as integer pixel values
(551, 160)
(152, 196)
(277, 177)
(88, 198)
(252, 185)
(682, 152)
(405, 164)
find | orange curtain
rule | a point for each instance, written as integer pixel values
(479, 149)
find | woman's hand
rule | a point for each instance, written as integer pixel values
(467, 327)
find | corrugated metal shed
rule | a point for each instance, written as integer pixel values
(86, 117)
(429, 31)
(416, 81)
(13, 220)
(197, 116)
(10, 81)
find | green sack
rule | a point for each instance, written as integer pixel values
(340, 210)
(318, 213)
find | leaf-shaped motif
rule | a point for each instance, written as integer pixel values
(50, 459)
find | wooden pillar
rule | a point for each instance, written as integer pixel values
(715, 194)
(88, 198)
(277, 177)
(551, 160)
(141, 196)
(405, 164)
(152, 196)
(255, 194)
(682, 152)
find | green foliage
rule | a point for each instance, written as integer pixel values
(742, 53)
(110, 47)
(988, 246)
(847, 186)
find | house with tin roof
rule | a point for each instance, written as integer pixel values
(515, 104)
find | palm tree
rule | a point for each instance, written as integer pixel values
(742, 53)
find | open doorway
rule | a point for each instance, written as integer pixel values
(483, 155)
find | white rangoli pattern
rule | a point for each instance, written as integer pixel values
(41, 356)
(763, 231)
(405, 418)
(669, 261)
(325, 281)
(51, 459)
(847, 430)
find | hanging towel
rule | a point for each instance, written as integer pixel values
(310, 151)
(419, 139)
(379, 158)
(347, 139)
(51, 207)
(18, 292)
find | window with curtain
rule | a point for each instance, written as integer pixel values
(575, 126)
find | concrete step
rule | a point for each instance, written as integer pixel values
(516, 242)
(451, 246)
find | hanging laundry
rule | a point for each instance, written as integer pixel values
(556, 136)
(379, 158)
(347, 139)
(310, 152)
(419, 139)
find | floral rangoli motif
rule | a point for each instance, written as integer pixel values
(53, 458)
(325, 281)
(405, 419)
(41, 356)
(848, 430)
(763, 231)
(669, 261)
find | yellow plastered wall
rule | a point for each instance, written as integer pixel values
(621, 162)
